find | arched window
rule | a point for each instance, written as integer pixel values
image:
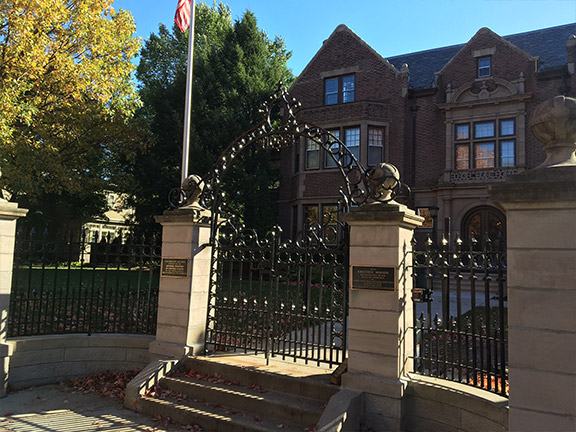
(481, 221)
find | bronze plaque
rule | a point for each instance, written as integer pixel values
(373, 278)
(174, 267)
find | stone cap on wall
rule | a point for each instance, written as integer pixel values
(541, 184)
(10, 210)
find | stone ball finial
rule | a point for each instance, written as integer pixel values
(553, 123)
(192, 186)
(383, 180)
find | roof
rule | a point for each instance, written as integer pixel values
(548, 44)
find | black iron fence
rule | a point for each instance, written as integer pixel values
(461, 326)
(63, 284)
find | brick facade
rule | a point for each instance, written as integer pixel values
(419, 99)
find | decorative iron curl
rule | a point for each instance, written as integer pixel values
(361, 185)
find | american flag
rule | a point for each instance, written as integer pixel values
(182, 17)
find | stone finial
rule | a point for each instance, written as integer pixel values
(553, 123)
(383, 180)
(193, 187)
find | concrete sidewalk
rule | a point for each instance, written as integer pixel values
(54, 408)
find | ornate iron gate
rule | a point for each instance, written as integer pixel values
(280, 298)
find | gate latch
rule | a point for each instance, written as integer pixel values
(421, 295)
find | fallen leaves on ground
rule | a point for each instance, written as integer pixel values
(105, 384)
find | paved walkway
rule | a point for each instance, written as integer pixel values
(53, 408)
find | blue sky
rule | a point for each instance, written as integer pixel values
(391, 27)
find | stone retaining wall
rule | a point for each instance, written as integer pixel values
(433, 404)
(40, 360)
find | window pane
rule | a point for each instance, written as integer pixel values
(312, 155)
(507, 127)
(331, 86)
(375, 146)
(348, 89)
(352, 141)
(507, 158)
(330, 217)
(484, 67)
(484, 155)
(484, 130)
(296, 155)
(311, 214)
(330, 213)
(462, 132)
(462, 156)
(329, 162)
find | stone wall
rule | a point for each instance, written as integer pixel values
(40, 360)
(432, 404)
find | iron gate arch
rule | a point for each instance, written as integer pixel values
(266, 295)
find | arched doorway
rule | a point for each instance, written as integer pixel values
(482, 222)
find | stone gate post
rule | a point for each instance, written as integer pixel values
(541, 240)
(9, 213)
(184, 283)
(380, 321)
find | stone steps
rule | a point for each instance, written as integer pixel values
(241, 393)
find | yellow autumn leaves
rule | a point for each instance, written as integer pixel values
(65, 89)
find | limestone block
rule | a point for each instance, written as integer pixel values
(543, 391)
(171, 333)
(531, 421)
(90, 354)
(542, 349)
(178, 285)
(173, 300)
(173, 317)
(38, 357)
(121, 341)
(177, 250)
(415, 423)
(376, 300)
(374, 320)
(370, 235)
(541, 308)
(373, 342)
(375, 256)
(474, 423)
(138, 356)
(40, 343)
(50, 372)
(536, 268)
(375, 364)
(435, 411)
(548, 228)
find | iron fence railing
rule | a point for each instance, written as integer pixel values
(460, 312)
(63, 284)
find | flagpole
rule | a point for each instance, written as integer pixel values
(188, 106)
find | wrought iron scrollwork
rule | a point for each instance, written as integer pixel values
(380, 183)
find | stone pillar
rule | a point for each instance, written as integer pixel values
(9, 213)
(183, 301)
(541, 240)
(380, 335)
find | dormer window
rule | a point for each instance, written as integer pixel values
(484, 67)
(339, 90)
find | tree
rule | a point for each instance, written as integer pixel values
(236, 68)
(66, 95)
